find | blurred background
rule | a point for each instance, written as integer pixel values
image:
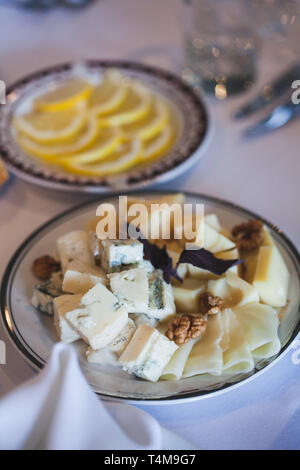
(232, 49)
(206, 41)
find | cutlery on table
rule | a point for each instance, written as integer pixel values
(280, 116)
(270, 92)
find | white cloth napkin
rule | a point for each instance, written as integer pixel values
(58, 410)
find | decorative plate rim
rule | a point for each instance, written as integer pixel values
(176, 161)
(8, 320)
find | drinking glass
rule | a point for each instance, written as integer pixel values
(221, 45)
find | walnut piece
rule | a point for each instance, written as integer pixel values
(209, 304)
(249, 235)
(44, 266)
(186, 327)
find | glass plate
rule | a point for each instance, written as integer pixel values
(34, 334)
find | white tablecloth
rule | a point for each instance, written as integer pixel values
(262, 175)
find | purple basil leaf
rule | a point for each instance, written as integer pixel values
(159, 258)
(206, 260)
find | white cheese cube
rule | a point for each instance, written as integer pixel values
(74, 246)
(100, 318)
(147, 265)
(120, 343)
(62, 305)
(119, 252)
(147, 353)
(131, 288)
(80, 277)
(111, 353)
(161, 298)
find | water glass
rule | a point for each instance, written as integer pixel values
(221, 45)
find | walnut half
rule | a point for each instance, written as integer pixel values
(249, 235)
(209, 304)
(186, 327)
(44, 266)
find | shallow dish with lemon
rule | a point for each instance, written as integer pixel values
(150, 319)
(96, 126)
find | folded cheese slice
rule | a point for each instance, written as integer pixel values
(234, 290)
(176, 365)
(237, 357)
(207, 355)
(260, 324)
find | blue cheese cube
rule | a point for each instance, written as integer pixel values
(111, 353)
(100, 318)
(120, 252)
(80, 277)
(44, 294)
(147, 353)
(131, 288)
(62, 305)
(161, 298)
(74, 246)
(94, 243)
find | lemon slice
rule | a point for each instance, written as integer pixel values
(159, 145)
(136, 105)
(79, 142)
(106, 143)
(151, 125)
(65, 96)
(109, 94)
(127, 155)
(51, 127)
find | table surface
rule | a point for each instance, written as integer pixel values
(261, 174)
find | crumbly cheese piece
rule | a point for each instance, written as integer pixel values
(120, 252)
(44, 294)
(161, 298)
(100, 318)
(80, 277)
(131, 288)
(111, 353)
(62, 305)
(147, 353)
(74, 246)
